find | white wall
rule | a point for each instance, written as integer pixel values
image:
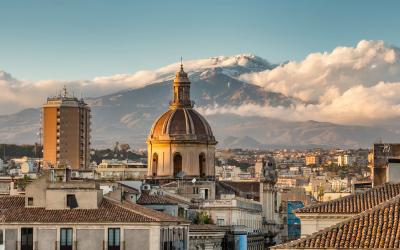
(313, 223)
(393, 172)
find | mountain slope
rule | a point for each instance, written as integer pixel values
(127, 115)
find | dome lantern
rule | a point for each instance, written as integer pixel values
(181, 90)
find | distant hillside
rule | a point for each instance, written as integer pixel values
(15, 151)
(127, 116)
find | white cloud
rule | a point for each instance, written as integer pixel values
(350, 85)
(357, 105)
(359, 85)
(16, 94)
(321, 77)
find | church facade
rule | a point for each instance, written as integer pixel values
(181, 143)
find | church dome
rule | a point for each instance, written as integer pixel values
(181, 143)
(182, 124)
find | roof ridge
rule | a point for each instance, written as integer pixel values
(116, 202)
(152, 214)
(338, 225)
(373, 192)
(157, 198)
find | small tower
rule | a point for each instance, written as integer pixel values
(181, 89)
(269, 197)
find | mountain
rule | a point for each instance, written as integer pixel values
(21, 127)
(127, 115)
(241, 142)
(273, 133)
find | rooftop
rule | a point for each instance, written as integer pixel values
(245, 189)
(374, 228)
(13, 210)
(153, 199)
(355, 203)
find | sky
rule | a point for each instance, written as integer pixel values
(75, 39)
(339, 60)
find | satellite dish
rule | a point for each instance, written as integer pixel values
(194, 180)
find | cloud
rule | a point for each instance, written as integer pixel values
(322, 76)
(357, 105)
(16, 94)
(350, 85)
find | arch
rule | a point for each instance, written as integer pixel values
(177, 163)
(154, 165)
(202, 164)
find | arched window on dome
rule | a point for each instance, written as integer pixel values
(202, 164)
(154, 165)
(177, 163)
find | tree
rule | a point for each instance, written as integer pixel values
(202, 218)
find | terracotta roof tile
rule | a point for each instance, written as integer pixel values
(13, 210)
(355, 203)
(374, 228)
(149, 199)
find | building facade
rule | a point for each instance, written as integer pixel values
(121, 170)
(235, 211)
(66, 132)
(74, 215)
(313, 160)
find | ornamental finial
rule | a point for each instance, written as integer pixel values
(181, 64)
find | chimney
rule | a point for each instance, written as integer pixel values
(68, 173)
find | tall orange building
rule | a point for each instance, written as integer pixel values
(66, 132)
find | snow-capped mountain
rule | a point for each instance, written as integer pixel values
(135, 100)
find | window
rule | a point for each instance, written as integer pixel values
(1, 237)
(30, 201)
(26, 238)
(204, 193)
(276, 201)
(220, 222)
(155, 164)
(195, 190)
(113, 239)
(71, 201)
(177, 163)
(66, 239)
(173, 239)
(202, 165)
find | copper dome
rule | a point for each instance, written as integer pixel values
(182, 124)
